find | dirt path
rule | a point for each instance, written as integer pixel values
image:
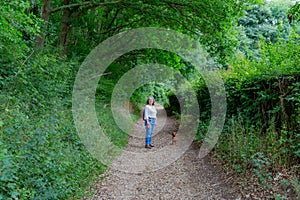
(187, 178)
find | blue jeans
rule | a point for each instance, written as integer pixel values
(149, 131)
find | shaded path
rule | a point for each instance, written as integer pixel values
(186, 178)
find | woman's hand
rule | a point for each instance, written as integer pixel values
(148, 124)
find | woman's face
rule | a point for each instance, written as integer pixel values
(151, 101)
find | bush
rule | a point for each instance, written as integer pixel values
(262, 108)
(41, 156)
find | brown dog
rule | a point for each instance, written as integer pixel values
(174, 138)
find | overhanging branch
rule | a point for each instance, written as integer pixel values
(84, 4)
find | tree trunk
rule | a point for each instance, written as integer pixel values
(65, 26)
(46, 12)
(45, 15)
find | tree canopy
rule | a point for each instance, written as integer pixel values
(43, 43)
(263, 23)
(81, 25)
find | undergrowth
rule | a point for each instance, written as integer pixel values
(41, 154)
(261, 134)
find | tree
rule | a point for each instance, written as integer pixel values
(17, 27)
(294, 12)
(267, 22)
(210, 21)
(68, 9)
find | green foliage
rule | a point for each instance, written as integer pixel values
(261, 166)
(267, 23)
(267, 88)
(172, 106)
(261, 133)
(211, 22)
(296, 184)
(17, 30)
(44, 77)
(240, 141)
(41, 155)
(294, 12)
(107, 123)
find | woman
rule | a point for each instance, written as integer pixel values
(150, 121)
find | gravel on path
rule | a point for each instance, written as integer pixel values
(188, 177)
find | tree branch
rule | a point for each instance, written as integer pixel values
(83, 4)
(113, 19)
(121, 26)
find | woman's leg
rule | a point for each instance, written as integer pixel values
(148, 135)
(152, 123)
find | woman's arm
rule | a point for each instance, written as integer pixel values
(146, 116)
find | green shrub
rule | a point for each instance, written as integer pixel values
(43, 156)
(262, 126)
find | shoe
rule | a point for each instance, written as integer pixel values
(151, 145)
(147, 146)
